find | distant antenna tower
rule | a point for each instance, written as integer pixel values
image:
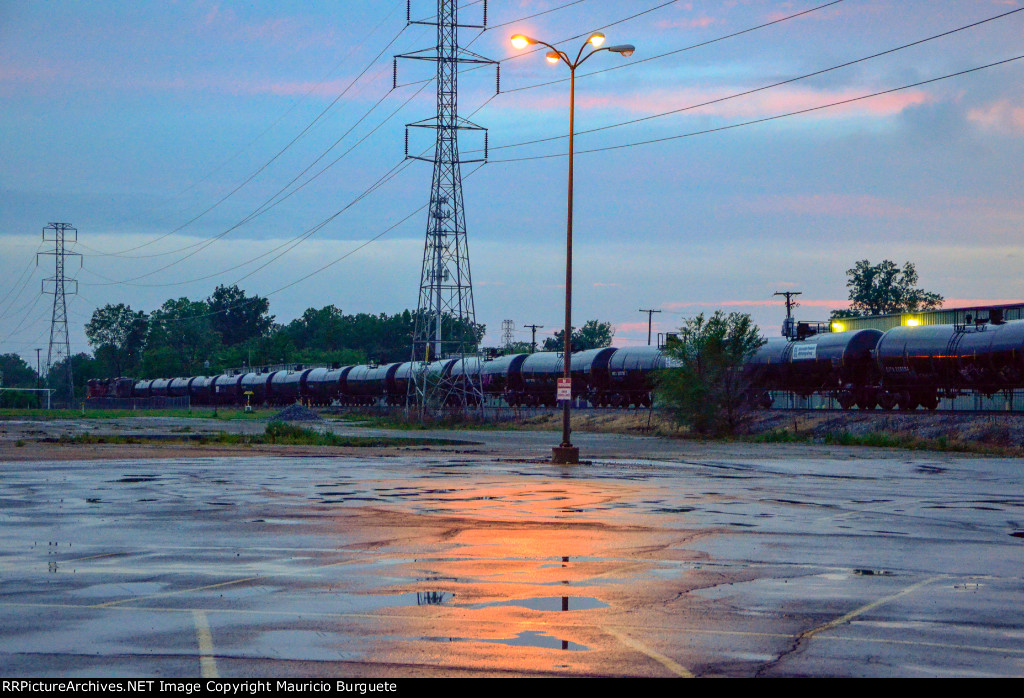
(60, 342)
(446, 287)
(508, 327)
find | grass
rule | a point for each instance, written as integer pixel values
(883, 439)
(276, 433)
(399, 421)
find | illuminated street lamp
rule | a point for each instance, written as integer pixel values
(566, 453)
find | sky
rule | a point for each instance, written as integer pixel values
(162, 131)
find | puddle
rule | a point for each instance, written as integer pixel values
(550, 603)
(527, 638)
(115, 590)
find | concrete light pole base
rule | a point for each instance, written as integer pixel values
(565, 455)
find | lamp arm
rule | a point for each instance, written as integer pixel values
(580, 61)
(561, 54)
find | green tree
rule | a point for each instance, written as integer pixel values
(118, 336)
(181, 339)
(83, 368)
(885, 288)
(708, 390)
(15, 373)
(593, 335)
(237, 317)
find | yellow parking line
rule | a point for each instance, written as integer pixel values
(207, 664)
(672, 666)
(846, 618)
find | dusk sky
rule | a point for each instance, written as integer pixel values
(156, 128)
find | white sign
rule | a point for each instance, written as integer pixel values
(564, 389)
(805, 352)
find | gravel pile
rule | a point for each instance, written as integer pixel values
(297, 413)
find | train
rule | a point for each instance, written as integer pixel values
(605, 377)
(905, 368)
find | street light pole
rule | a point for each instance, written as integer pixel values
(566, 453)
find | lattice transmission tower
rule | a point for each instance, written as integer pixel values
(445, 314)
(60, 342)
(508, 328)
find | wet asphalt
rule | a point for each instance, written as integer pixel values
(666, 560)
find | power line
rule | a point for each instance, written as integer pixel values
(678, 50)
(767, 87)
(768, 118)
(263, 208)
(324, 267)
(570, 38)
(272, 159)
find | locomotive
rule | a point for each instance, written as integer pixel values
(905, 367)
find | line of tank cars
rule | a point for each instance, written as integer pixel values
(905, 367)
(607, 377)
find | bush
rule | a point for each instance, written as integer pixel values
(709, 391)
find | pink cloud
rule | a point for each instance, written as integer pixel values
(632, 327)
(692, 23)
(1003, 115)
(780, 100)
(809, 303)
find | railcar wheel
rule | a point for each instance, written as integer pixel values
(906, 401)
(846, 399)
(930, 401)
(887, 400)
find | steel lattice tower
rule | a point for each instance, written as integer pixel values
(446, 286)
(60, 342)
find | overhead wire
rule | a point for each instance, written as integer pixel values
(700, 44)
(277, 155)
(266, 206)
(767, 118)
(337, 259)
(765, 87)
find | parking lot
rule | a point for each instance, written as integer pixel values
(726, 561)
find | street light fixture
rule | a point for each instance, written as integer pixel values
(566, 453)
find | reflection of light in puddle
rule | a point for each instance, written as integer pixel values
(418, 598)
(527, 638)
(550, 603)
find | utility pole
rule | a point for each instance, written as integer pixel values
(790, 303)
(650, 313)
(60, 343)
(446, 287)
(533, 341)
(788, 330)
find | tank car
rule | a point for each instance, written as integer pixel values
(503, 378)
(540, 373)
(835, 362)
(631, 372)
(920, 364)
